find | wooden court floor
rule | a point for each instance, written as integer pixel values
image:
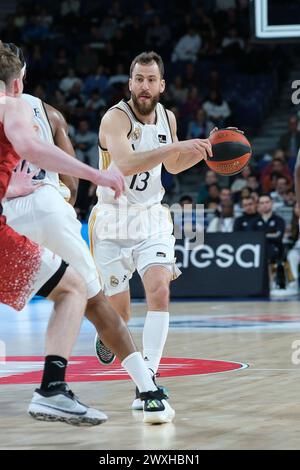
(257, 407)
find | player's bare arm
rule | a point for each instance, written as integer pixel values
(176, 163)
(62, 140)
(113, 135)
(18, 127)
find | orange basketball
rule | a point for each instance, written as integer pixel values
(231, 152)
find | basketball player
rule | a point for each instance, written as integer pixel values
(27, 268)
(137, 137)
(45, 217)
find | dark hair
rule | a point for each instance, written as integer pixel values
(183, 198)
(265, 195)
(147, 58)
(10, 46)
(10, 65)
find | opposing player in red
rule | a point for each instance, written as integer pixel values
(27, 268)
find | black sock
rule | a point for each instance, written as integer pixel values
(54, 372)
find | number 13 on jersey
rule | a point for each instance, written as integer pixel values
(139, 182)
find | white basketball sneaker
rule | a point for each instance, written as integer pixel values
(156, 409)
(62, 405)
(137, 403)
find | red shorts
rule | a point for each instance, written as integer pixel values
(24, 267)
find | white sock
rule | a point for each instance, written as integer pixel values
(154, 337)
(137, 369)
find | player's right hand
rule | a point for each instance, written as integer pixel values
(21, 181)
(112, 178)
(197, 147)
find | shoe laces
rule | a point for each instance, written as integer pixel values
(66, 389)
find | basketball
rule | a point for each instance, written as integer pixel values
(231, 152)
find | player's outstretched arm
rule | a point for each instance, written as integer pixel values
(18, 128)
(114, 130)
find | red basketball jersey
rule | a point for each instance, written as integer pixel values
(8, 161)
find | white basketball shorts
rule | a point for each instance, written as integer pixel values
(46, 218)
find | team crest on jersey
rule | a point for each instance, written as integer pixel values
(114, 281)
(135, 134)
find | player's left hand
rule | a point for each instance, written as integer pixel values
(21, 182)
(229, 128)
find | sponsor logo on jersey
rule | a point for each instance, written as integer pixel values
(162, 138)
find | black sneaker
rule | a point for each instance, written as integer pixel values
(156, 409)
(137, 403)
(103, 353)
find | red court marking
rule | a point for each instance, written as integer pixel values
(88, 369)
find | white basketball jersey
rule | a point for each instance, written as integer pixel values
(144, 188)
(45, 133)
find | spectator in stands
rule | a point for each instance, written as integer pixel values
(200, 127)
(58, 101)
(86, 60)
(224, 222)
(273, 226)
(188, 47)
(85, 142)
(70, 7)
(232, 44)
(240, 181)
(210, 178)
(253, 182)
(225, 195)
(255, 197)
(94, 104)
(190, 76)
(276, 167)
(279, 193)
(289, 198)
(177, 92)
(96, 81)
(245, 222)
(217, 109)
(76, 101)
(192, 103)
(119, 76)
(158, 34)
(63, 61)
(290, 141)
(67, 83)
(213, 194)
